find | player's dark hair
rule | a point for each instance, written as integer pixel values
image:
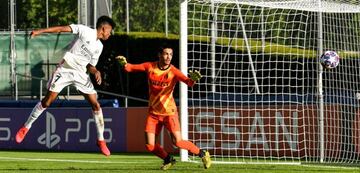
(164, 46)
(105, 20)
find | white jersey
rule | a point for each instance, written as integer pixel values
(84, 50)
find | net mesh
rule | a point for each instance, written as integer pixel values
(263, 91)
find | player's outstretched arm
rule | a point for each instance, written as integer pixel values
(54, 29)
(195, 75)
(132, 67)
(122, 60)
(190, 81)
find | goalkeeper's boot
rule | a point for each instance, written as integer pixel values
(104, 149)
(169, 161)
(205, 157)
(20, 135)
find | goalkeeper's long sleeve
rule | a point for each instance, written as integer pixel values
(181, 77)
(137, 67)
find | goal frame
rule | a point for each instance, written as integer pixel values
(184, 67)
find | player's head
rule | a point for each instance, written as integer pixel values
(105, 25)
(165, 55)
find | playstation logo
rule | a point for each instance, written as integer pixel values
(49, 138)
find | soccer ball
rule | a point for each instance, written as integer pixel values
(330, 59)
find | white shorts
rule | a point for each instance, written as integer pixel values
(63, 77)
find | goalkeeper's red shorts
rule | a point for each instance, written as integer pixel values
(154, 123)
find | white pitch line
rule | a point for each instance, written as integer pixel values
(63, 160)
(283, 163)
(250, 163)
(331, 167)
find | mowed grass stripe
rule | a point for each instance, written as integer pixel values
(69, 160)
(64, 162)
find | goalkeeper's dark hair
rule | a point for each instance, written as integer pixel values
(164, 46)
(105, 20)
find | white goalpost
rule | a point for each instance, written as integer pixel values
(264, 97)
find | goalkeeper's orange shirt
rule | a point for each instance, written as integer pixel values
(161, 86)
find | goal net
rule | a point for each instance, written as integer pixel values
(264, 97)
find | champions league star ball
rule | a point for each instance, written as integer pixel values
(330, 59)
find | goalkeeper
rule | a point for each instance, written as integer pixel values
(162, 78)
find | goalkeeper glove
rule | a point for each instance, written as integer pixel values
(122, 60)
(195, 75)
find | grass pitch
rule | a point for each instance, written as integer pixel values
(24, 161)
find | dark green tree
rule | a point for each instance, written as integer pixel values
(147, 16)
(5, 13)
(32, 13)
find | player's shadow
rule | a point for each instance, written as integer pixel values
(37, 73)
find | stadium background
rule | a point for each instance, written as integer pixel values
(37, 58)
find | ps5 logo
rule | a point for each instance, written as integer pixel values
(49, 138)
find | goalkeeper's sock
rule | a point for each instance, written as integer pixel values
(99, 122)
(157, 150)
(35, 113)
(187, 145)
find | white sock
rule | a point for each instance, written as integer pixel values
(36, 112)
(99, 122)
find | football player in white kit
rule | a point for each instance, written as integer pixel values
(79, 60)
